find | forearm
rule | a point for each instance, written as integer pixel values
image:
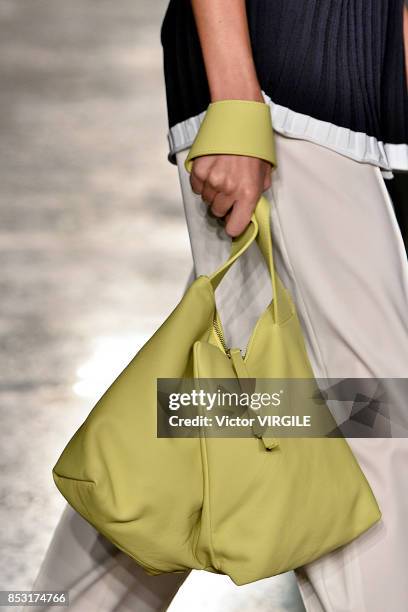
(222, 27)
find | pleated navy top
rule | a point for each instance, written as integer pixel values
(332, 71)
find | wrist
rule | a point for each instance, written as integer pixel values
(237, 92)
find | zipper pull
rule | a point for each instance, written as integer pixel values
(246, 385)
(238, 363)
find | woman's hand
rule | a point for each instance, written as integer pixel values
(231, 185)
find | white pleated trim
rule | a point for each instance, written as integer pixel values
(356, 145)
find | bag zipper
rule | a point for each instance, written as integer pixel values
(220, 336)
(269, 443)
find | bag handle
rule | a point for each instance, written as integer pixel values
(259, 229)
(238, 246)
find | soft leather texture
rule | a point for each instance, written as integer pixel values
(247, 507)
(239, 127)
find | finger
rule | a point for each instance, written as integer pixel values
(197, 184)
(238, 220)
(242, 210)
(199, 172)
(222, 203)
(267, 181)
(208, 193)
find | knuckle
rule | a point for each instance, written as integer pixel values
(196, 186)
(200, 168)
(229, 185)
(248, 191)
(216, 178)
(199, 172)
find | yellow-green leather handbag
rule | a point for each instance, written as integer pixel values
(247, 507)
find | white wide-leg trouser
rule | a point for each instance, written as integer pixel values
(339, 251)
